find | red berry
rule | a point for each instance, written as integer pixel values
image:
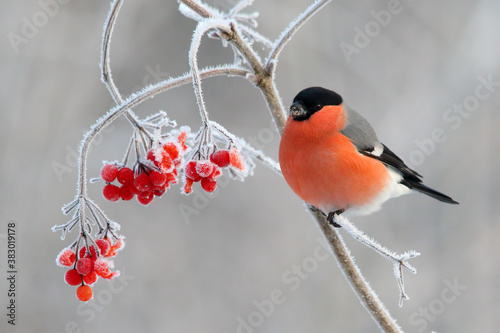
(83, 253)
(166, 162)
(132, 189)
(221, 158)
(84, 293)
(67, 257)
(236, 159)
(103, 245)
(191, 172)
(204, 168)
(142, 182)
(172, 150)
(125, 175)
(171, 179)
(84, 266)
(182, 140)
(115, 247)
(151, 155)
(72, 277)
(159, 190)
(157, 178)
(188, 186)
(102, 266)
(90, 278)
(125, 193)
(109, 172)
(145, 198)
(208, 184)
(111, 192)
(215, 174)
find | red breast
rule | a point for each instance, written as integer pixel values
(324, 168)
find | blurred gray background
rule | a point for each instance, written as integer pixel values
(218, 269)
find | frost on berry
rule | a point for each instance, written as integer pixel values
(104, 246)
(109, 172)
(204, 168)
(221, 158)
(171, 178)
(91, 253)
(172, 150)
(182, 140)
(119, 245)
(236, 160)
(84, 293)
(84, 266)
(111, 192)
(215, 174)
(102, 268)
(66, 257)
(191, 172)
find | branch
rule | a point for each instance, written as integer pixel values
(106, 76)
(288, 33)
(399, 260)
(361, 288)
(201, 29)
(133, 101)
(201, 9)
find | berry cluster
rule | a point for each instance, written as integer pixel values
(149, 178)
(89, 265)
(207, 171)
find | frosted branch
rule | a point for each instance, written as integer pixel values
(199, 8)
(221, 133)
(239, 7)
(200, 30)
(399, 260)
(360, 286)
(288, 33)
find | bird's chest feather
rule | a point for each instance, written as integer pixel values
(328, 171)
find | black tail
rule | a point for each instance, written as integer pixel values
(418, 186)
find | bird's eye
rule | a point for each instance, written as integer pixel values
(317, 107)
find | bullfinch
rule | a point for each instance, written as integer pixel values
(332, 159)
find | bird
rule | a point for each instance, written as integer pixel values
(332, 159)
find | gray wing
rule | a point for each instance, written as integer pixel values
(362, 135)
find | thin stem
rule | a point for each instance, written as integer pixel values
(135, 100)
(198, 8)
(287, 34)
(239, 7)
(106, 75)
(200, 30)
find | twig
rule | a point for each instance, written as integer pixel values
(288, 33)
(361, 288)
(399, 260)
(106, 76)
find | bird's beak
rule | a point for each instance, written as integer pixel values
(297, 110)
